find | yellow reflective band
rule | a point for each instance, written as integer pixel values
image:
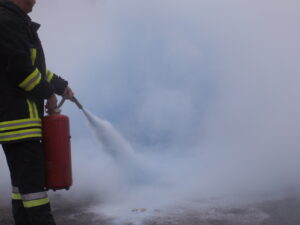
(25, 124)
(16, 196)
(35, 203)
(15, 122)
(21, 134)
(33, 55)
(31, 81)
(49, 75)
(30, 108)
(33, 112)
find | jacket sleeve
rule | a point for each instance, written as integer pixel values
(58, 83)
(18, 67)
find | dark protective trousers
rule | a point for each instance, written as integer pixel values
(30, 204)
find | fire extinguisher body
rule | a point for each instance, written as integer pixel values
(57, 147)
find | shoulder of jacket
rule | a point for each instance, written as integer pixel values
(9, 20)
(6, 22)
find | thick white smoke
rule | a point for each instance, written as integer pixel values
(206, 89)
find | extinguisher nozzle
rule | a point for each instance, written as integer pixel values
(77, 103)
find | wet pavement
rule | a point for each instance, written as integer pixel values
(284, 211)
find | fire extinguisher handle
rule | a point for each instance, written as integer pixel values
(61, 103)
(74, 100)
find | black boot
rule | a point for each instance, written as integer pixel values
(19, 213)
(41, 215)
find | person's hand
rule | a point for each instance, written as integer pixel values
(68, 93)
(51, 105)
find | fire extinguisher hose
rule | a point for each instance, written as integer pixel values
(75, 100)
(77, 103)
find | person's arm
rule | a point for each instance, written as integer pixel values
(57, 82)
(19, 68)
(69, 94)
(60, 85)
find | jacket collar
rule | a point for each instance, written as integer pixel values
(35, 26)
(15, 9)
(19, 12)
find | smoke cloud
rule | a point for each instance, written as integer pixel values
(206, 90)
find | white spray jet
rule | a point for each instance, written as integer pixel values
(132, 165)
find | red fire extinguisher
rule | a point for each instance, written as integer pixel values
(57, 147)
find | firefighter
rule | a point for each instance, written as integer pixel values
(25, 83)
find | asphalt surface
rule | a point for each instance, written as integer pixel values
(285, 211)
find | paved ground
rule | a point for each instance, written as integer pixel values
(285, 211)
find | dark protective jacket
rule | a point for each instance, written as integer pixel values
(25, 82)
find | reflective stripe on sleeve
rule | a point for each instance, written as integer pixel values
(33, 55)
(31, 81)
(49, 75)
